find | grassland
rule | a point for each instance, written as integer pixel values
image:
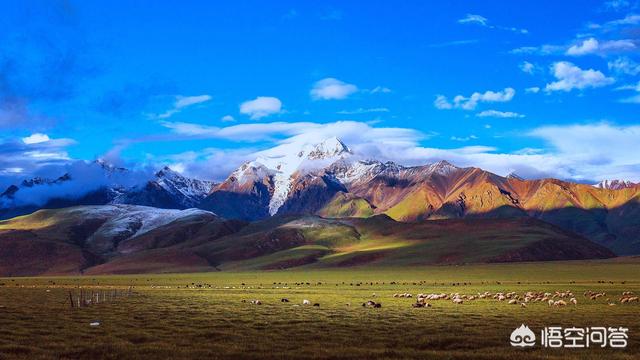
(203, 315)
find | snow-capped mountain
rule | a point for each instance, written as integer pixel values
(301, 178)
(268, 180)
(167, 189)
(615, 184)
(100, 183)
(189, 189)
(309, 158)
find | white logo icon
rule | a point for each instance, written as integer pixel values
(523, 337)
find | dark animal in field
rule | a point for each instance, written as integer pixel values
(372, 304)
(316, 304)
(284, 300)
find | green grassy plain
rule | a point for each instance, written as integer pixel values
(203, 315)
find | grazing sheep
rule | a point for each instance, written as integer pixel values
(316, 304)
(523, 305)
(256, 302)
(513, 301)
(560, 303)
(285, 300)
(457, 301)
(306, 302)
(574, 301)
(551, 302)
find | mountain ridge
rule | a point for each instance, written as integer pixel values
(330, 179)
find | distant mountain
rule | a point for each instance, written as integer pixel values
(615, 184)
(335, 183)
(329, 179)
(119, 239)
(100, 183)
(262, 187)
(168, 190)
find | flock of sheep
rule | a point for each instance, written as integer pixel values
(556, 299)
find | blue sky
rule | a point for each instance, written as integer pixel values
(542, 88)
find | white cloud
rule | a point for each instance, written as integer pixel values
(499, 114)
(483, 21)
(379, 89)
(470, 103)
(182, 102)
(630, 19)
(545, 49)
(532, 90)
(442, 103)
(363, 111)
(261, 106)
(588, 152)
(631, 100)
(571, 77)
(588, 46)
(35, 138)
(635, 87)
(30, 154)
(227, 118)
(332, 89)
(527, 67)
(624, 65)
(635, 99)
(474, 19)
(594, 46)
(463, 139)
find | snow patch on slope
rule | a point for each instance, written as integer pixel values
(127, 221)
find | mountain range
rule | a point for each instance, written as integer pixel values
(327, 180)
(107, 184)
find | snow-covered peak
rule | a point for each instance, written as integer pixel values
(515, 176)
(329, 148)
(250, 171)
(189, 190)
(108, 167)
(442, 167)
(615, 184)
(291, 158)
(168, 173)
